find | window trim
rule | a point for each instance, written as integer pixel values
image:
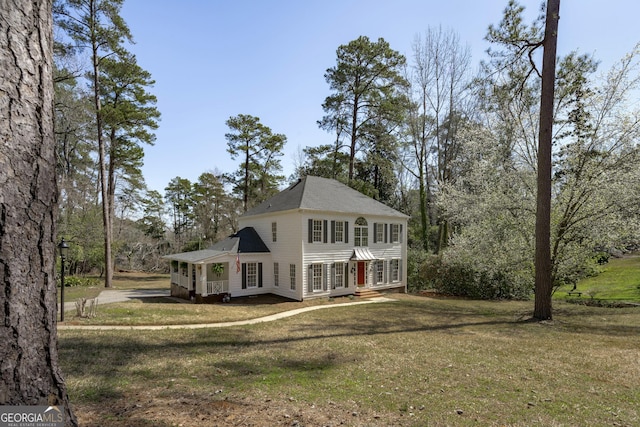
(395, 233)
(379, 272)
(395, 270)
(246, 274)
(338, 230)
(292, 277)
(276, 274)
(338, 270)
(317, 275)
(361, 233)
(316, 231)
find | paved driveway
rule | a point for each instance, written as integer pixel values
(121, 295)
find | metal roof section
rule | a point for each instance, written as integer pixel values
(196, 257)
(323, 194)
(362, 254)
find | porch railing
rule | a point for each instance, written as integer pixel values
(217, 287)
(175, 277)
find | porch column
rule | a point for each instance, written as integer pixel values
(203, 280)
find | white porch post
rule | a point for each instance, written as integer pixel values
(203, 280)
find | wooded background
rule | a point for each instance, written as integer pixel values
(451, 143)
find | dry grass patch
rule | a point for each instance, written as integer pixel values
(171, 311)
(413, 362)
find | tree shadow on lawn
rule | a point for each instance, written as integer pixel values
(107, 355)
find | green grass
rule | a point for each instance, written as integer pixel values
(413, 362)
(618, 281)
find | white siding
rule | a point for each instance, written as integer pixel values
(285, 250)
(292, 247)
(328, 253)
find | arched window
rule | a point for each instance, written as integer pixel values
(361, 232)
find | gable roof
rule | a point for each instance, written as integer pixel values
(323, 194)
(246, 240)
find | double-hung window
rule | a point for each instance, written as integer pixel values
(339, 232)
(274, 231)
(379, 272)
(292, 276)
(276, 274)
(316, 271)
(379, 231)
(338, 275)
(395, 270)
(317, 230)
(252, 275)
(395, 233)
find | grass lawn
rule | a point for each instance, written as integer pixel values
(619, 281)
(413, 362)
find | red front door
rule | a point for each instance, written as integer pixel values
(361, 274)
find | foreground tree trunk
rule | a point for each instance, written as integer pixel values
(29, 371)
(544, 279)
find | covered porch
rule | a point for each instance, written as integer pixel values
(200, 276)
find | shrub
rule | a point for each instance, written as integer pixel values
(415, 279)
(70, 281)
(458, 279)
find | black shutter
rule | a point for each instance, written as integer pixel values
(345, 278)
(310, 230)
(333, 231)
(244, 275)
(375, 232)
(259, 274)
(346, 231)
(333, 275)
(400, 235)
(325, 276)
(386, 232)
(325, 231)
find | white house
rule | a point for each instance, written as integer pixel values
(317, 238)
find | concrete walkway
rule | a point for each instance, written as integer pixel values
(119, 296)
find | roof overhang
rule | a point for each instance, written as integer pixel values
(362, 254)
(197, 257)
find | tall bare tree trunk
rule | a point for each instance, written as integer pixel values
(29, 370)
(544, 279)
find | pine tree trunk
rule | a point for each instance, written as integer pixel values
(29, 370)
(544, 286)
(102, 162)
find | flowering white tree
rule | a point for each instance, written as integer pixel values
(595, 186)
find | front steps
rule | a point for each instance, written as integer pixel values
(366, 293)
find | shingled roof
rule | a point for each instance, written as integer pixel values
(322, 194)
(246, 240)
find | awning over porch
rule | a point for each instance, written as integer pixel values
(203, 256)
(362, 254)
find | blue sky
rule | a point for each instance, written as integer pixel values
(214, 59)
